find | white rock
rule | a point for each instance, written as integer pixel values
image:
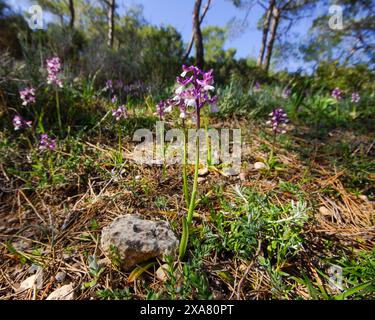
(230, 172)
(35, 280)
(259, 165)
(162, 272)
(64, 293)
(201, 180)
(203, 172)
(60, 276)
(324, 211)
(130, 240)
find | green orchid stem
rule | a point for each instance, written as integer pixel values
(187, 221)
(273, 147)
(209, 156)
(58, 110)
(120, 144)
(195, 183)
(184, 171)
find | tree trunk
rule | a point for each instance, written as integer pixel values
(198, 39)
(111, 22)
(72, 13)
(266, 28)
(191, 42)
(274, 26)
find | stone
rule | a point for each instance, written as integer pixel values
(324, 211)
(259, 166)
(201, 180)
(162, 272)
(63, 293)
(203, 172)
(230, 172)
(60, 276)
(33, 268)
(243, 176)
(130, 240)
(35, 280)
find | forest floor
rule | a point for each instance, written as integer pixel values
(269, 233)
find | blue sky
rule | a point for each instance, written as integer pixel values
(179, 14)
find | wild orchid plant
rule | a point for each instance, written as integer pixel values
(278, 121)
(356, 98)
(20, 123)
(118, 114)
(193, 93)
(27, 96)
(53, 78)
(46, 142)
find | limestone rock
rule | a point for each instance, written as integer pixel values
(130, 240)
(259, 166)
(230, 172)
(162, 272)
(201, 180)
(35, 280)
(203, 172)
(64, 293)
(60, 276)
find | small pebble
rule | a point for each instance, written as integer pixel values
(60, 276)
(162, 273)
(230, 172)
(203, 172)
(243, 176)
(201, 180)
(259, 165)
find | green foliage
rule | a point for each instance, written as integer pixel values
(214, 39)
(354, 78)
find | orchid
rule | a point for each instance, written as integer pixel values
(355, 97)
(193, 93)
(119, 84)
(27, 96)
(108, 85)
(53, 69)
(119, 113)
(160, 109)
(286, 93)
(337, 94)
(279, 120)
(19, 123)
(46, 143)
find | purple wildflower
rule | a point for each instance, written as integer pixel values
(27, 96)
(286, 93)
(108, 85)
(46, 143)
(160, 108)
(19, 123)
(53, 69)
(356, 97)
(279, 120)
(120, 113)
(257, 85)
(119, 84)
(193, 92)
(336, 93)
